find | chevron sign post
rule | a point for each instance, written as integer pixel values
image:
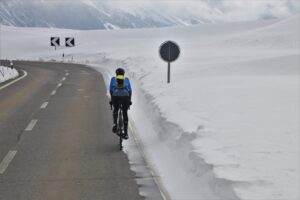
(55, 42)
(70, 42)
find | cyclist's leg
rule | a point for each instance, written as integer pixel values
(115, 113)
(125, 105)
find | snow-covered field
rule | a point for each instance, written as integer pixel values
(7, 73)
(227, 126)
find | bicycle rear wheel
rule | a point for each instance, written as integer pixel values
(120, 142)
(120, 122)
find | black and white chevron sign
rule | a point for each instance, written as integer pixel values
(70, 42)
(55, 41)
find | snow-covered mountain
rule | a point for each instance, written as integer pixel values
(107, 14)
(83, 15)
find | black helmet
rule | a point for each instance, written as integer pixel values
(120, 71)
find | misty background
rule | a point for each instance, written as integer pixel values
(116, 14)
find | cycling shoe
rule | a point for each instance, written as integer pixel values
(114, 128)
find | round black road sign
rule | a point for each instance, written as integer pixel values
(169, 51)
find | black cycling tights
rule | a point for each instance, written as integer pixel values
(125, 115)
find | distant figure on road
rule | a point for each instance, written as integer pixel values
(11, 64)
(120, 92)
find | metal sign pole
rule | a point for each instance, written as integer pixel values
(169, 73)
(169, 65)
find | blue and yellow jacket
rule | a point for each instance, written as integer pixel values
(120, 86)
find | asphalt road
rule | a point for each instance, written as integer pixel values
(56, 140)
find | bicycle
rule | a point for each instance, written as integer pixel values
(120, 125)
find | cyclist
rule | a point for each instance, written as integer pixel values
(120, 92)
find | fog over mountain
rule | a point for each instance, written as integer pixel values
(91, 14)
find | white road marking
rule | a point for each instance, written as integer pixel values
(6, 160)
(10, 83)
(53, 93)
(44, 105)
(31, 125)
(59, 85)
(67, 74)
(80, 90)
(63, 79)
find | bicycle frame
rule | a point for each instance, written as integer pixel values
(120, 123)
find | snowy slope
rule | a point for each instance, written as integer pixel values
(227, 127)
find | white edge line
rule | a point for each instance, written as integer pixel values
(31, 125)
(12, 82)
(6, 161)
(165, 195)
(44, 105)
(59, 85)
